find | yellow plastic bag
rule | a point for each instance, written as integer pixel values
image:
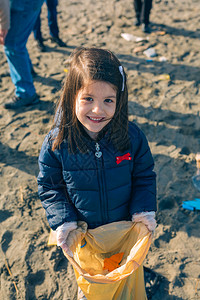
(127, 281)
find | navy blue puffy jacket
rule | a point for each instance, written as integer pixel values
(97, 189)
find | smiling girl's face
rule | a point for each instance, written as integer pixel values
(95, 106)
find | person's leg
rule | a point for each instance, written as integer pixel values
(138, 7)
(37, 29)
(53, 23)
(22, 23)
(146, 8)
(38, 34)
(52, 17)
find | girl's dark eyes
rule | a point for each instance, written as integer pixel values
(91, 99)
(108, 100)
(88, 99)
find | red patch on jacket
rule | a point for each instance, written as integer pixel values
(123, 157)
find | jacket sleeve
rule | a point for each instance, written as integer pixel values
(52, 189)
(144, 178)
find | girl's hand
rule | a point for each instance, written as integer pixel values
(62, 234)
(147, 218)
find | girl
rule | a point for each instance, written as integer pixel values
(95, 166)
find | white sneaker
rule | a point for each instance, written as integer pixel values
(81, 296)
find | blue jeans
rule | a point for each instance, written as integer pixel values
(21, 26)
(52, 21)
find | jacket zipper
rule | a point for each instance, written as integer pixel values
(101, 176)
(98, 153)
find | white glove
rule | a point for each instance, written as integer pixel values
(62, 234)
(147, 218)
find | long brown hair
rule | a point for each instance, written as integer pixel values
(88, 64)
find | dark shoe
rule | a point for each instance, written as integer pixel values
(58, 41)
(146, 28)
(137, 22)
(40, 45)
(17, 102)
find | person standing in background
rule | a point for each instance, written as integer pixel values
(142, 12)
(53, 27)
(17, 19)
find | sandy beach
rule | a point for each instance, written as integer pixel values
(164, 100)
